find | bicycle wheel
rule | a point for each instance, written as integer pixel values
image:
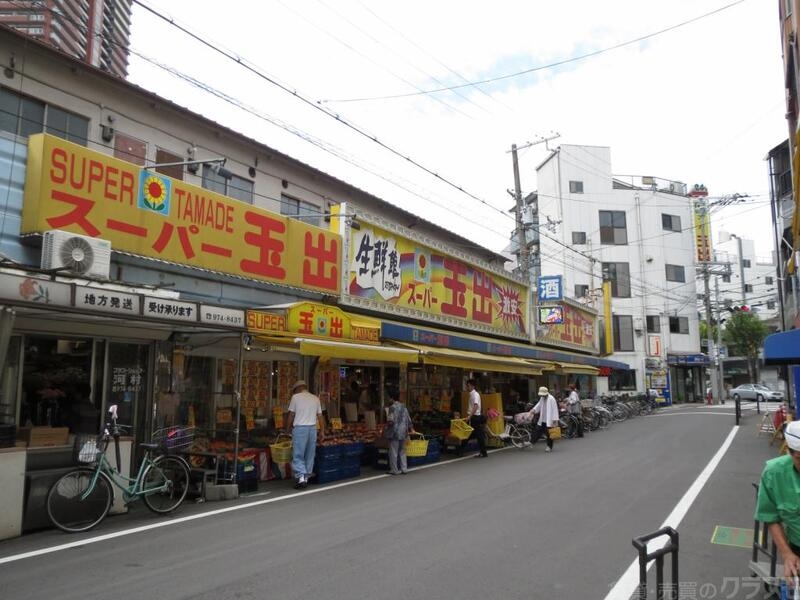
(519, 437)
(72, 506)
(168, 479)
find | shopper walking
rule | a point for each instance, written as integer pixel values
(305, 411)
(575, 408)
(399, 425)
(476, 418)
(547, 409)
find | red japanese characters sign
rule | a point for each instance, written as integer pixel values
(148, 214)
(392, 273)
(576, 329)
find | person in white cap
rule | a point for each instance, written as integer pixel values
(305, 411)
(547, 409)
(778, 503)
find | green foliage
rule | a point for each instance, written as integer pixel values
(746, 332)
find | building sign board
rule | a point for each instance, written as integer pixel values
(576, 330)
(92, 299)
(147, 214)
(218, 315)
(34, 290)
(308, 319)
(389, 272)
(550, 289)
(702, 230)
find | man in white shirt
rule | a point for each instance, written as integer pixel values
(476, 419)
(305, 411)
(575, 407)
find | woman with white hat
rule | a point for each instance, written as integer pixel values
(547, 409)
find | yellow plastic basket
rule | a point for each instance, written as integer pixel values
(417, 446)
(281, 451)
(459, 429)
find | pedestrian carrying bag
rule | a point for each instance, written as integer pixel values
(554, 433)
(388, 431)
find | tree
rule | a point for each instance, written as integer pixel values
(746, 332)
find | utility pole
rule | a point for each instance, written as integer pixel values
(530, 268)
(720, 361)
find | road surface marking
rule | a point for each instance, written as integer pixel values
(628, 583)
(219, 511)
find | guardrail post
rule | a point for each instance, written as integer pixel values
(640, 543)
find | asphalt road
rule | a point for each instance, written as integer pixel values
(520, 524)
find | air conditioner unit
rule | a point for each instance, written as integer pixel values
(76, 253)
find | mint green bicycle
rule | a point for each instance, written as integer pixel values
(81, 498)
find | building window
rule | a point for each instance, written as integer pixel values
(746, 263)
(579, 237)
(619, 274)
(575, 187)
(25, 116)
(613, 229)
(770, 304)
(235, 187)
(768, 281)
(671, 222)
(653, 324)
(581, 291)
(675, 273)
(748, 288)
(174, 171)
(726, 278)
(623, 333)
(679, 325)
(620, 380)
(300, 210)
(130, 149)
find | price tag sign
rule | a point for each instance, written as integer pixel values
(336, 424)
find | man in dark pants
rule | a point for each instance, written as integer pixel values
(476, 419)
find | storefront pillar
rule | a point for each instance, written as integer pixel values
(12, 492)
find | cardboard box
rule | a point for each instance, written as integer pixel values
(43, 436)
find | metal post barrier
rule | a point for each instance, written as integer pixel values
(671, 547)
(738, 410)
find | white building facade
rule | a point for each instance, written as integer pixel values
(639, 231)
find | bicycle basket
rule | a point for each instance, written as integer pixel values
(281, 451)
(87, 448)
(417, 446)
(174, 438)
(459, 429)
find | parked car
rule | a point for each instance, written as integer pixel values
(755, 391)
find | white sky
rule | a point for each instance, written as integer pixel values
(701, 102)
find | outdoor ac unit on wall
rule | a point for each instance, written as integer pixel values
(76, 253)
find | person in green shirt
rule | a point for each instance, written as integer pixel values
(778, 503)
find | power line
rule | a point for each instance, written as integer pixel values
(545, 67)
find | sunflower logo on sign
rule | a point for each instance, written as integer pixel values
(154, 192)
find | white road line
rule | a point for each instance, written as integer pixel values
(204, 515)
(627, 584)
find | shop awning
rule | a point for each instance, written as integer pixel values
(474, 361)
(782, 348)
(564, 368)
(353, 351)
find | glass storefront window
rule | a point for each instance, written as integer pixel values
(10, 378)
(56, 382)
(127, 383)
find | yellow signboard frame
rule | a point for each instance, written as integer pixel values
(145, 213)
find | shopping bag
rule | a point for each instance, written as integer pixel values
(554, 432)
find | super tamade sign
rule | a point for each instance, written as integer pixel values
(145, 213)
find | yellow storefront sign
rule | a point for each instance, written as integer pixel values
(308, 319)
(148, 214)
(395, 274)
(576, 330)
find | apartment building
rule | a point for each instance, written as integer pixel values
(94, 31)
(638, 233)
